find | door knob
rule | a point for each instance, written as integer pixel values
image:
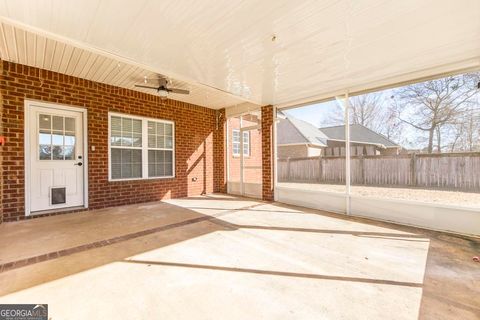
(78, 164)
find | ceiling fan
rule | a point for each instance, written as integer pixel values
(162, 89)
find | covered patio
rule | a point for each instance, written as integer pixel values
(208, 256)
(240, 159)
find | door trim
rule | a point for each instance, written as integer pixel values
(241, 155)
(27, 157)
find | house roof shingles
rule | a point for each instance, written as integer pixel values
(294, 131)
(358, 133)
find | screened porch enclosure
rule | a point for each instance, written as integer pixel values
(408, 154)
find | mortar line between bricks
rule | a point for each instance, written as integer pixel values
(103, 243)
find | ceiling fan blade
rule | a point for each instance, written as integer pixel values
(147, 87)
(180, 91)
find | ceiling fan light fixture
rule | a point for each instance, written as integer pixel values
(162, 93)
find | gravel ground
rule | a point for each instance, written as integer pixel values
(455, 198)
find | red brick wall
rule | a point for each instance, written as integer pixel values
(195, 129)
(267, 153)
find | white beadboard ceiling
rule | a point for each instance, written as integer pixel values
(30, 48)
(264, 52)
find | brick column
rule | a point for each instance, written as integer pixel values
(219, 153)
(267, 153)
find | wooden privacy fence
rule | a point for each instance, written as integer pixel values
(452, 171)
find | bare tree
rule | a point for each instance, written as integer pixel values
(466, 132)
(372, 110)
(367, 110)
(430, 106)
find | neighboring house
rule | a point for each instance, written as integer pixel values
(297, 138)
(362, 140)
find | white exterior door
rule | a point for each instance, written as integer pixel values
(244, 150)
(56, 158)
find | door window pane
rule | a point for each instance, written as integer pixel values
(57, 123)
(45, 152)
(57, 153)
(56, 137)
(45, 138)
(45, 121)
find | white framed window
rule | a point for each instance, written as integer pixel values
(236, 142)
(140, 148)
(246, 143)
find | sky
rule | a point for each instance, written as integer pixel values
(319, 114)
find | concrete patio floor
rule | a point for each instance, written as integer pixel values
(223, 257)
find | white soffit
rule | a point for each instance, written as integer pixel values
(32, 49)
(321, 47)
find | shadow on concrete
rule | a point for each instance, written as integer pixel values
(278, 273)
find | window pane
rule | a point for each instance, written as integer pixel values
(57, 152)
(137, 126)
(246, 137)
(168, 169)
(160, 129)
(45, 152)
(160, 169)
(137, 156)
(58, 123)
(45, 138)
(69, 153)
(57, 139)
(152, 141)
(168, 156)
(137, 170)
(152, 127)
(126, 126)
(236, 148)
(69, 124)
(116, 171)
(45, 121)
(116, 123)
(152, 170)
(116, 141)
(160, 142)
(168, 130)
(168, 142)
(127, 140)
(236, 136)
(160, 163)
(116, 156)
(151, 156)
(126, 163)
(126, 170)
(137, 140)
(69, 140)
